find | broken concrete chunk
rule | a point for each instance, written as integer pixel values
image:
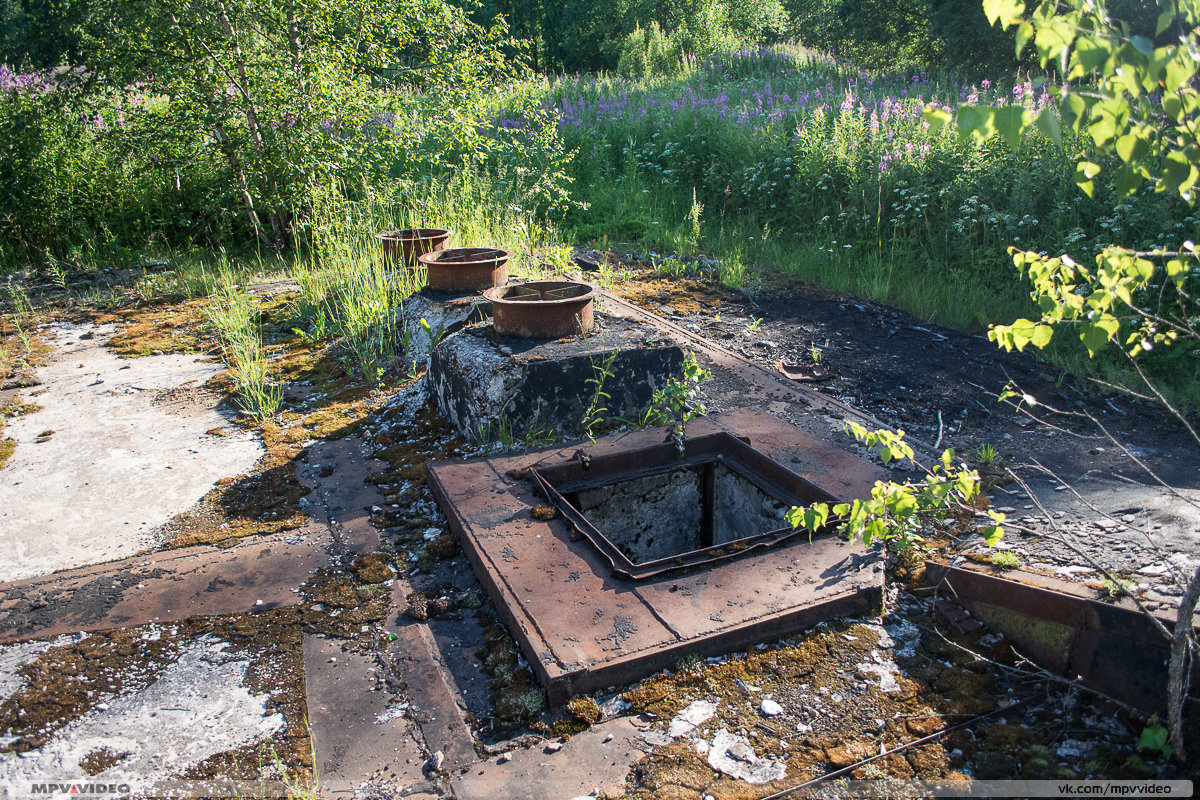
(614, 706)
(434, 763)
(694, 715)
(546, 385)
(734, 756)
(770, 708)
(655, 739)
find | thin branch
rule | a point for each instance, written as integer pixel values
(1082, 553)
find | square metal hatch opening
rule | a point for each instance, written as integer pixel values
(651, 510)
(584, 628)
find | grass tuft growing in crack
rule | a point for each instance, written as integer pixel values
(232, 315)
(347, 292)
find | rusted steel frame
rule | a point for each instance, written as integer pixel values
(770, 628)
(735, 451)
(756, 374)
(703, 452)
(1110, 648)
(708, 501)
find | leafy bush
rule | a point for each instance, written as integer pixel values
(649, 52)
(91, 178)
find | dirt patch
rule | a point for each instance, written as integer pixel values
(188, 400)
(940, 386)
(845, 692)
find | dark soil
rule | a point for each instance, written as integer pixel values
(905, 371)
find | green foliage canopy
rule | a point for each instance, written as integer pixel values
(294, 94)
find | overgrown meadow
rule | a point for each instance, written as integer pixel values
(816, 170)
(779, 163)
(748, 167)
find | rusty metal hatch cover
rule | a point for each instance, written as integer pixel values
(719, 500)
(583, 628)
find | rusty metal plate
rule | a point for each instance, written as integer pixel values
(583, 628)
(1111, 646)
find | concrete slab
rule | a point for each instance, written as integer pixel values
(341, 499)
(200, 705)
(129, 450)
(435, 703)
(583, 628)
(172, 585)
(363, 734)
(596, 760)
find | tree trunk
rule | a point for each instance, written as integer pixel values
(243, 187)
(1179, 674)
(280, 221)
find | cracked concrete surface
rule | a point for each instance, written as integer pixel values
(119, 462)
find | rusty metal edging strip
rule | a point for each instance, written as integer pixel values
(721, 448)
(756, 374)
(771, 627)
(1111, 648)
(621, 564)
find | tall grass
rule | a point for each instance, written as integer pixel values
(233, 317)
(820, 171)
(349, 295)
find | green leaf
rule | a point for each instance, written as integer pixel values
(1011, 121)
(1047, 123)
(1179, 173)
(1165, 20)
(1041, 336)
(1128, 180)
(1103, 129)
(937, 119)
(1179, 74)
(904, 506)
(1005, 13)
(1177, 270)
(1172, 106)
(1084, 172)
(1091, 54)
(1132, 146)
(1074, 109)
(977, 121)
(1095, 336)
(1024, 34)
(815, 517)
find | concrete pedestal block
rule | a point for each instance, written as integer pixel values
(480, 379)
(444, 313)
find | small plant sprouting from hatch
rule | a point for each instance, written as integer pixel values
(678, 401)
